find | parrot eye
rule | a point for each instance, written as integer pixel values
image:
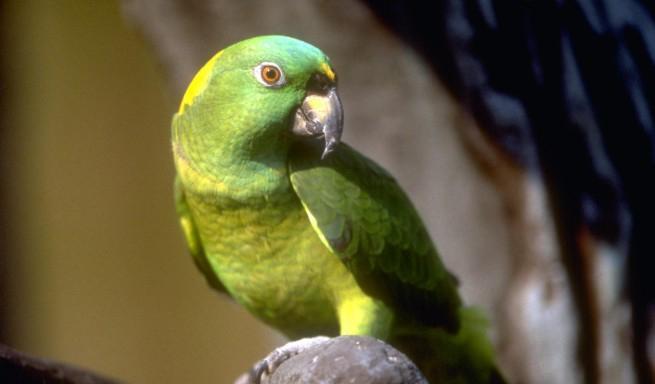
(269, 74)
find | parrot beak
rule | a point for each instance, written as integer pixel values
(320, 114)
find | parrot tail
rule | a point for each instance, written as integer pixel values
(464, 357)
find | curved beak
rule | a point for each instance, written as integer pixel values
(320, 115)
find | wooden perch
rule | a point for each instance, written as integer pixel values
(17, 367)
(341, 359)
(346, 359)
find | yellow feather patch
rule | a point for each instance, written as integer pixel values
(187, 228)
(327, 71)
(317, 229)
(199, 83)
(201, 183)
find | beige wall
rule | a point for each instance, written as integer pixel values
(99, 274)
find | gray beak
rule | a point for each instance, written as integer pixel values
(320, 115)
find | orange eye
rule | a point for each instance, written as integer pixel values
(269, 74)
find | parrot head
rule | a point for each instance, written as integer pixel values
(255, 97)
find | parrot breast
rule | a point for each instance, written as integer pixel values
(272, 262)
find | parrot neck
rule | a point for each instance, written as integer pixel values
(240, 168)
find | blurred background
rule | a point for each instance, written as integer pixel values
(95, 270)
(523, 133)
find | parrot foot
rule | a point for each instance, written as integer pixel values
(269, 364)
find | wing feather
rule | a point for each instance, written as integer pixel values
(366, 219)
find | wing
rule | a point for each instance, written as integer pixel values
(361, 214)
(193, 238)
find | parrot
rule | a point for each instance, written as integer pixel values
(309, 235)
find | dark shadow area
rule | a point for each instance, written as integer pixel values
(20, 368)
(567, 90)
(5, 253)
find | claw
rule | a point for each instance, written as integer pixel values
(270, 363)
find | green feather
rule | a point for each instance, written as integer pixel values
(368, 221)
(192, 238)
(310, 246)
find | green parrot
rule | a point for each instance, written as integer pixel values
(302, 230)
